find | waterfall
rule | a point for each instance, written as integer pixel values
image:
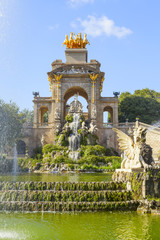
(74, 138)
(15, 162)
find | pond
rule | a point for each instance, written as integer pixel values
(76, 226)
(57, 177)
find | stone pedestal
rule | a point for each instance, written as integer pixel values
(76, 55)
(133, 170)
(144, 181)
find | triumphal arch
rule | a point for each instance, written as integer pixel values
(75, 76)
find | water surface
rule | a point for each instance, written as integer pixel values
(79, 226)
(57, 177)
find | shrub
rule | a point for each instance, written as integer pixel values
(71, 166)
(89, 167)
(48, 148)
(69, 118)
(92, 159)
(61, 159)
(37, 153)
(97, 150)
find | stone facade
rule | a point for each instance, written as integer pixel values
(66, 80)
(74, 77)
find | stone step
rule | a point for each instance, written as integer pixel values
(65, 196)
(67, 206)
(62, 186)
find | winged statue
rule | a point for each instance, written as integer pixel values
(136, 153)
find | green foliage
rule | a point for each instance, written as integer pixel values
(71, 166)
(25, 163)
(147, 93)
(45, 117)
(111, 152)
(69, 118)
(136, 182)
(48, 148)
(89, 167)
(63, 140)
(93, 161)
(61, 159)
(26, 116)
(82, 118)
(83, 139)
(10, 124)
(37, 153)
(96, 155)
(97, 150)
(143, 104)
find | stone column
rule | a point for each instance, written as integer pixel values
(36, 116)
(115, 115)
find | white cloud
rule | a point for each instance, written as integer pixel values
(101, 26)
(75, 3)
(53, 27)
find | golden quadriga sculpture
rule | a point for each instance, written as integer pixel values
(136, 153)
(76, 41)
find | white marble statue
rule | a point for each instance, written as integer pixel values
(57, 127)
(94, 112)
(137, 154)
(92, 128)
(57, 113)
(43, 140)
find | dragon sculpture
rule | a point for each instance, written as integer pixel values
(136, 153)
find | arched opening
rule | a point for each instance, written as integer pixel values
(21, 147)
(43, 115)
(107, 116)
(82, 98)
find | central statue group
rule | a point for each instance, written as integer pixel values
(76, 42)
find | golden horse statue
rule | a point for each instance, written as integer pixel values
(71, 40)
(80, 41)
(85, 41)
(76, 42)
(66, 42)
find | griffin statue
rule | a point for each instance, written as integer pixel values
(136, 153)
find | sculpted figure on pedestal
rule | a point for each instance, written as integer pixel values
(94, 112)
(57, 113)
(137, 154)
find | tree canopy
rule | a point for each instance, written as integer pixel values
(143, 104)
(11, 122)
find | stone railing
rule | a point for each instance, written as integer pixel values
(119, 125)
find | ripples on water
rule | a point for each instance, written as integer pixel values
(76, 226)
(71, 177)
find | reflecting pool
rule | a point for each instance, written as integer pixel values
(57, 177)
(76, 226)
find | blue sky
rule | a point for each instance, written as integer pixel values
(124, 37)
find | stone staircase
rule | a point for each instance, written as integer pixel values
(65, 196)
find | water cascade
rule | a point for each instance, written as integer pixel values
(15, 162)
(74, 138)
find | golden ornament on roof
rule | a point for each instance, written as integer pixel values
(58, 77)
(93, 76)
(76, 41)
